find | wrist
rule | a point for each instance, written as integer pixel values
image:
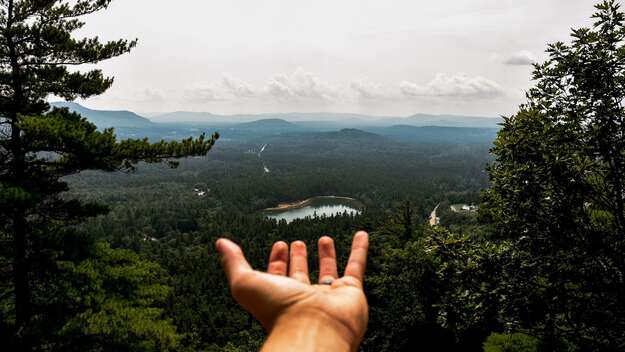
(304, 331)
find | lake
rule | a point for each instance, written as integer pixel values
(319, 206)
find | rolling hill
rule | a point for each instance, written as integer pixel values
(438, 134)
(106, 118)
(268, 124)
(329, 120)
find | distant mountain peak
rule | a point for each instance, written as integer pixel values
(65, 104)
(274, 122)
(106, 118)
(353, 131)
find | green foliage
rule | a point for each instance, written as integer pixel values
(157, 213)
(116, 294)
(516, 342)
(77, 145)
(402, 290)
(544, 256)
(38, 148)
(433, 291)
(464, 268)
(557, 192)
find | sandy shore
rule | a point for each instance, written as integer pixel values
(303, 203)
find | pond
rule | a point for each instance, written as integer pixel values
(319, 206)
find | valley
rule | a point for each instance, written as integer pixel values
(389, 178)
(365, 176)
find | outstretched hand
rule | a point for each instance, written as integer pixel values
(330, 315)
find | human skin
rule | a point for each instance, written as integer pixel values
(297, 315)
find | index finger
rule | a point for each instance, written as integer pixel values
(358, 258)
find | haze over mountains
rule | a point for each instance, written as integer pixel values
(330, 118)
(107, 118)
(280, 121)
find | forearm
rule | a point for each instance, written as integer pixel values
(309, 333)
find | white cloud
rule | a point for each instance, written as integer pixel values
(143, 99)
(204, 93)
(303, 88)
(495, 57)
(300, 85)
(368, 90)
(521, 58)
(148, 96)
(228, 88)
(458, 85)
(238, 88)
(389, 41)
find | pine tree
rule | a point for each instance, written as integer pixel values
(39, 146)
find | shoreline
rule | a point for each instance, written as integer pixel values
(304, 203)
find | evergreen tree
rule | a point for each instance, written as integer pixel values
(110, 301)
(39, 146)
(557, 192)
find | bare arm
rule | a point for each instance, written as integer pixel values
(331, 315)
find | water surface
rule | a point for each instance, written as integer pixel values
(317, 206)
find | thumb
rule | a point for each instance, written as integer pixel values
(232, 259)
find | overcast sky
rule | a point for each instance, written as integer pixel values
(384, 57)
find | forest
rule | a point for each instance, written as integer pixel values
(108, 232)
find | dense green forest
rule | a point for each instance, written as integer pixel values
(107, 235)
(157, 212)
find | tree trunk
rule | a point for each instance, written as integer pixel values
(550, 341)
(618, 195)
(20, 276)
(23, 293)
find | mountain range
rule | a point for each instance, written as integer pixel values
(110, 118)
(107, 118)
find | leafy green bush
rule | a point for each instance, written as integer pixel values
(516, 342)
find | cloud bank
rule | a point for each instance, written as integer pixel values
(366, 90)
(521, 58)
(238, 88)
(300, 85)
(302, 89)
(458, 85)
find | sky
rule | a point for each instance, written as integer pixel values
(377, 57)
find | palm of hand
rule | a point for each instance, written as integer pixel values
(273, 295)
